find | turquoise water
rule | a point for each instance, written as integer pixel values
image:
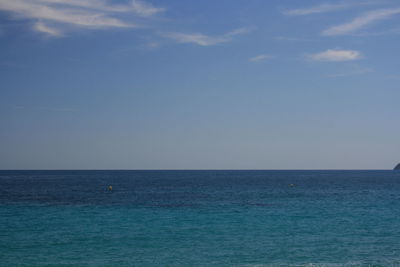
(199, 218)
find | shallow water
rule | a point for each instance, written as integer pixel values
(198, 218)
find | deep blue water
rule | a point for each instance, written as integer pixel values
(200, 218)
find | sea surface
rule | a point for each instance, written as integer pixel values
(200, 218)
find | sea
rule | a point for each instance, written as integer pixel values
(200, 218)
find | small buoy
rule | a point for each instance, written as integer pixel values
(109, 188)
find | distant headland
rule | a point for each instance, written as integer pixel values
(397, 168)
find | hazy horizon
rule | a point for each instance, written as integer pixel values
(223, 85)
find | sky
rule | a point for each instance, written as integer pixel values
(227, 84)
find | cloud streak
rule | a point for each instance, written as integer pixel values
(336, 55)
(204, 40)
(136, 6)
(361, 22)
(53, 16)
(41, 27)
(326, 7)
(316, 9)
(260, 58)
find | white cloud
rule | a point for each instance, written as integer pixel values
(136, 6)
(152, 45)
(260, 58)
(361, 22)
(238, 31)
(205, 40)
(316, 9)
(52, 16)
(196, 38)
(326, 7)
(336, 55)
(41, 27)
(145, 9)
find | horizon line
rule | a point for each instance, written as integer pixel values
(196, 169)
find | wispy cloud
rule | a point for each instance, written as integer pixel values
(294, 39)
(196, 38)
(361, 22)
(336, 55)
(355, 70)
(286, 38)
(136, 6)
(205, 40)
(316, 9)
(328, 7)
(378, 33)
(41, 27)
(260, 58)
(52, 16)
(151, 45)
(145, 9)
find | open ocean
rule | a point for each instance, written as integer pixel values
(200, 218)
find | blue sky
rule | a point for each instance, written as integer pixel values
(227, 84)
